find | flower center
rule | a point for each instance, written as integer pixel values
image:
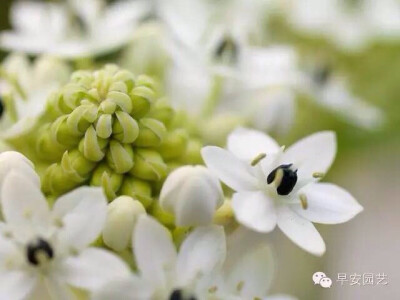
(39, 252)
(180, 295)
(1, 107)
(322, 74)
(285, 179)
(227, 50)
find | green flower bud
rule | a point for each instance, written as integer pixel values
(137, 189)
(148, 165)
(125, 128)
(91, 146)
(151, 133)
(120, 157)
(162, 111)
(192, 154)
(174, 144)
(73, 170)
(122, 214)
(107, 128)
(142, 98)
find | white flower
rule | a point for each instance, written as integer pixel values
(276, 187)
(72, 29)
(25, 89)
(268, 82)
(192, 194)
(122, 214)
(15, 161)
(164, 273)
(248, 269)
(45, 252)
(331, 91)
(206, 51)
(350, 24)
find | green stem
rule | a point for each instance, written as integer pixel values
(214, 97)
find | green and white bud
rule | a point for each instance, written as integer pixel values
(121, 218)
(102, 119)
(137, 189)
(148, 165)
(112, 129)
(192, 194)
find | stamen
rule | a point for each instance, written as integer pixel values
(318, 175)
(257, 159)
(240, 286)
(303, 201)
(278, 177)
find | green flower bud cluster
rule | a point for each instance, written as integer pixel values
(110, 128)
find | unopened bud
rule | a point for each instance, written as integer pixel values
(192, 194)
(151, 133)
(148, 165)
(137, 189)
(122, 214)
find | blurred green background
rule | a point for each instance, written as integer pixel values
(368, 165)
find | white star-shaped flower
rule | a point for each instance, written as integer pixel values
(163, 272)
(248, 269)
(24, 90)
(72, 29)
(352, 25)
(43, 252)
(277, 187)
(331, 91)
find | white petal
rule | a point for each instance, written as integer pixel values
(16, 284)
(254, 271)
(192, 194)
(93, 268)
(201, 253)
(312, 154)
(50, 288)
(229, 169)
(24, 205)
(328, 204)
(130, 288)
(254, 210)
(11, 160)
(83, 213)
(301, 231)
(246, 144)
(266, 113)
(153, 249)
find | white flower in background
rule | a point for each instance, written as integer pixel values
(72, 29)
(248, 269)
(267, 86)
(122, 214)
(277, 187)
(203, 54)
(350, 24)
(45, 252)
(24, 88)
(331, 91)
(164, 273)
(192, 194)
